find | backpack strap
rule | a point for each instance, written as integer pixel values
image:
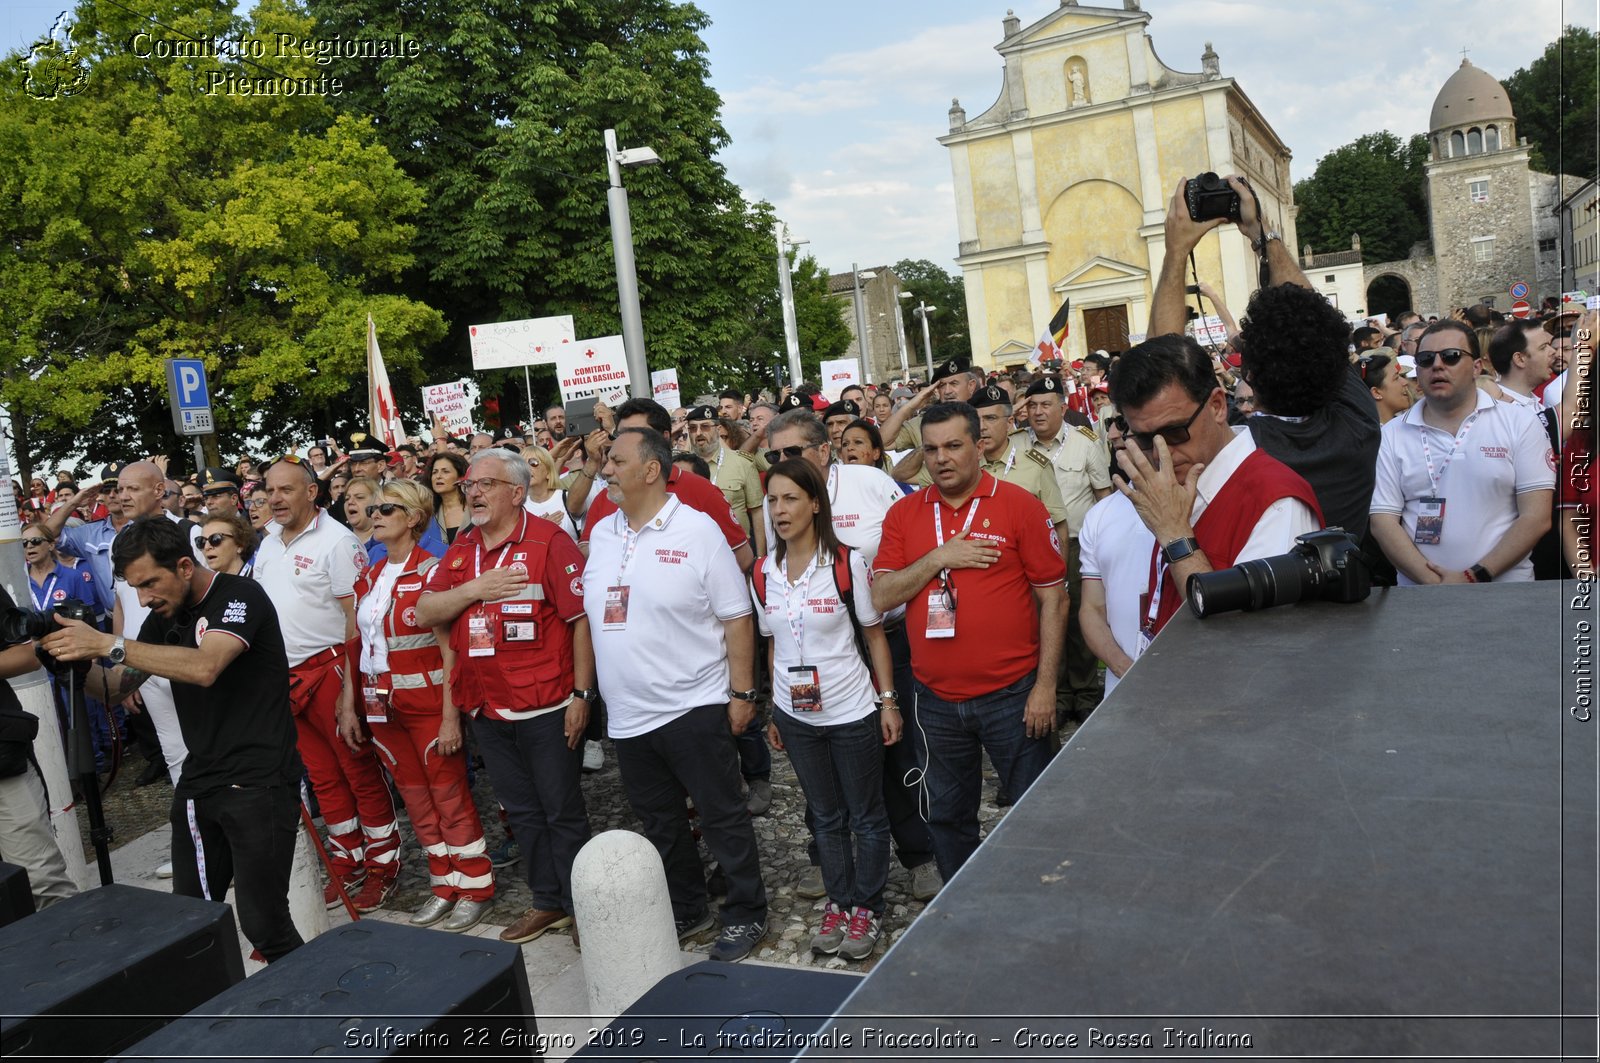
(845, 584)
(758, 579)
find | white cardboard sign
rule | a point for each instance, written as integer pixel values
(838, 375)
(511, 344)
(596, 368)
(449, 401)
(664, 382)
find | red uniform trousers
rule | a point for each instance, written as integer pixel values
(357, 810)
(439, 802)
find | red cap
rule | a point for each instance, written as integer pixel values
(1102, 389)
(819, 403)
(1234, 359)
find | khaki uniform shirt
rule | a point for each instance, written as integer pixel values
(1030, 470)
(1081, 464)
(740, 483)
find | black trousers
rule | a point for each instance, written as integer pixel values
(244, 837)
(694, 757)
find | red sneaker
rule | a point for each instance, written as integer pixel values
(375, 891)
(330, 892)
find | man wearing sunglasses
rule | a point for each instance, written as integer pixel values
(220, 488)
(1464, 483)
(92, 541)
(308, 567)
(1208, 494)
(733, 473)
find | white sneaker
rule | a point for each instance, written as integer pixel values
(165, 870)
(594, 756)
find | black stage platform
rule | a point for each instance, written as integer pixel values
(1339, 830)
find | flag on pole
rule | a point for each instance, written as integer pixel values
(384, 414)
(1051, 344)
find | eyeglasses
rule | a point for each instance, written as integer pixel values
(1174, 434)
(467, 486)
(386, 508)
(169, 494)
(1449, 356)
(775, 456)
(255, 503)
(216, 538)
(34, 542)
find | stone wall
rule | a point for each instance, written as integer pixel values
(1466, 274)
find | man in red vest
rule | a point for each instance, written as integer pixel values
(1210, 498)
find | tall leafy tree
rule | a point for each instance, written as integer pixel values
(501, 117)
(151, 213)
(1557, 103)
(947, 325)
(1372, 187)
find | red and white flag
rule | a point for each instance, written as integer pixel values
(385, 415)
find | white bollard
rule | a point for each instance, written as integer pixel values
(305, 889)
(619, 891)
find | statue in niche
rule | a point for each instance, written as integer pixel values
(1077, 83)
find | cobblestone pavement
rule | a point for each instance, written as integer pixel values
(781, 835)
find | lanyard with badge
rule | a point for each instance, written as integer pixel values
(1430, 510)
(480, 634)
(805, 683)
(1150, 600)
(942, 601)
(42, 600)
(614, 615)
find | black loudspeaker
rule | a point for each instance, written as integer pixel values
(16, 895)
(90, 975)
(371, 989)
(717, 1009)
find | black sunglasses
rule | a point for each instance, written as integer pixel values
(386, 508)
(34, 542)
(1174, 434)
(1449, 356)
(775, 456)
(216, 538)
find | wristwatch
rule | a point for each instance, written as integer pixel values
(1480, 574)
(119, 651)
(743, 695)
(1178, 549)
(1259, 246)
(587, 694)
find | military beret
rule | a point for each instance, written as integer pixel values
(791, 402)
(1045, 386)
(215, 481)
(842, 408)
(954, 367)
(701, 413)
(993, 395)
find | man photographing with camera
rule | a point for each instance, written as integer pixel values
(1313, 412)
(235, 810)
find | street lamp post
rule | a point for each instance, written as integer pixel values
(791, 330)
(922, 310)
(900, 335)
(622, 253)
(863, 342)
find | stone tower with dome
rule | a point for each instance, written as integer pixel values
(1491, 216)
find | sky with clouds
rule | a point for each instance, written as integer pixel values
(834, 107)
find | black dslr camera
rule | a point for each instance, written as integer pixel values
(25, 625)
(1209, 196)
(1324, 564)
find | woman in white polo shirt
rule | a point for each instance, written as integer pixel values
(826, 705)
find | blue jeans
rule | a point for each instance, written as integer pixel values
(955, 736)
(841, 771)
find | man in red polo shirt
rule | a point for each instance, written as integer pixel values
(977, 564)
(511, 591)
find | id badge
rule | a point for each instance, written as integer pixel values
(805, 689)
(941, 618)
(1144, 625)
(614, 617)
(480, 640)
(376, 701)
(1430, 521)
(519, 630)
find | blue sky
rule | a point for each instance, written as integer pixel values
(834, 106)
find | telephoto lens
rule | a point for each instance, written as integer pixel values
(1324, 564)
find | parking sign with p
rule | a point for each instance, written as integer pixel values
(189, 397)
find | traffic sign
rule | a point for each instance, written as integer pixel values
(189, 397)
(1519, 309)
(1519, 290)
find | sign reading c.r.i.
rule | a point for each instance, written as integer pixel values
(189, 397)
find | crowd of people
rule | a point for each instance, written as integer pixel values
(885, 587)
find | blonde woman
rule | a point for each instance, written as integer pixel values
(545, 498)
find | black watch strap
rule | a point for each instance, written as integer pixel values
(587, 694)
(1481, 574)
(1178, 549)
(743, 695)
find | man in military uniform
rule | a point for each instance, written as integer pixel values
(220, 487)
(952, 382)
(1010, 456)
(1083, 474)
(368, 457)
(836, 418)
(732, 472)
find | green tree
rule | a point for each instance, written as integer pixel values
(148, 218)
(1372, 187)
(947, 325)
(1556, 99)
(501, 118)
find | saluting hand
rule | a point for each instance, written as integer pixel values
(961, 552)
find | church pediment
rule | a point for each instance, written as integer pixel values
(1066, 22)
(1097, 271)
(1012, 349)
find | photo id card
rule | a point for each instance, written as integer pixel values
(1430, 521)
(941, 618)
(519, 631)
(480, 640)
(805, 689)
(376, 702)
(614, 616)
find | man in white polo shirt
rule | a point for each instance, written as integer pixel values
(1464, 482)
(308, 568)
(670, 616)
(1115, 549)
(859, 497)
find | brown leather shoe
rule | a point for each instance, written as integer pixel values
(533, 923)
(575, 942)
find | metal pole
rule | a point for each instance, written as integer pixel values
(199, 457)
(927, 344)
(791, 330)
(627, 278)
(863, 348)
(900, 339)
(527, 384)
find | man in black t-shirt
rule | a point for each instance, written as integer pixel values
(235, 811)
